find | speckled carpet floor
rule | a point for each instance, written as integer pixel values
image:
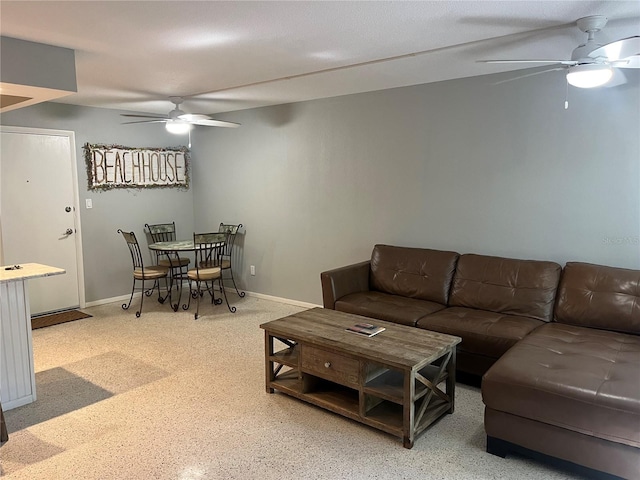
(167, 397)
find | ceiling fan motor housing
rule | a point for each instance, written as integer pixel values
(594, 23)
(589, 25)
(175, 113)
(581, 54)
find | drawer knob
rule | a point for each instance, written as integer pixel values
(327, 364)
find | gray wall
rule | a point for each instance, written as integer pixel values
(461, 165)
(107, 264)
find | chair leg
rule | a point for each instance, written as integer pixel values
(212, 292)
(224, 293)
(149, 292)
(178, 275)
(139, 312)
(168, 283)
(125, 306)
(240, 294)
(199, 294)
(169, 280)
(188, 304)
(156, 284)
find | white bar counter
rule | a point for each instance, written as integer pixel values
(17, 373)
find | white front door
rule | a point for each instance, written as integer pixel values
(38, 212)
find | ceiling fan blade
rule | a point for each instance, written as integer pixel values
(210, 122)
(201, 119)
(160, 120)
(561, 62)
(619, 78)
(527, 75)
(143, 116)
(625, 51)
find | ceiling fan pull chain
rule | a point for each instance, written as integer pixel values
(566, 95)
(189, 138)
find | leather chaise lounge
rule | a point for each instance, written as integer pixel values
(558, 348)
(571, 388)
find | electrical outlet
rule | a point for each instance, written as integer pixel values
(252, 269)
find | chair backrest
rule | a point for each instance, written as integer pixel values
(134, 248)
(162, 232)
(209, 248)
(231, 232)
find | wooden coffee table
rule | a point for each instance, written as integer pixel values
(391, 381)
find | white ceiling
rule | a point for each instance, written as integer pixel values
(234, 55)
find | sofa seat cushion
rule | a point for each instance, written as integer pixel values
(392, 308)
(482, 332)
(582, 379)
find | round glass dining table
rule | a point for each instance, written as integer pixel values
(172, 249)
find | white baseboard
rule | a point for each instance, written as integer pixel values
(288, 301)
(104, 301)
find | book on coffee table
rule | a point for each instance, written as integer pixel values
(365, 329)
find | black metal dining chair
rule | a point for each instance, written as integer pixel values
(142, 273)
(208, 251)
(177, 265)
(166, 232)
(226, 260)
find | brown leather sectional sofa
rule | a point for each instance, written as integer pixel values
(559, 349)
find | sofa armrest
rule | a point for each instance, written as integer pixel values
(344, 280)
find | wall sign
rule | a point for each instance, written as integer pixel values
(115, 166)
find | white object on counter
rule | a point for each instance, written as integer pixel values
(17, 373)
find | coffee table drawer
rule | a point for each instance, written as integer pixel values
(330, 365)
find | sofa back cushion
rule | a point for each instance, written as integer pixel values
(505, 285)
(599, 297)
(413, 272)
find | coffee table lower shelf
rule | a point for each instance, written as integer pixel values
(400, 402)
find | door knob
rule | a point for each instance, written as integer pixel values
(68, 232)
(68, 209)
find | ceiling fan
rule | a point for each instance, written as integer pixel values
(591, 64)
(177, 121)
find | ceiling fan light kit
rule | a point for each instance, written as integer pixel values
(177, 126)
(589, 75)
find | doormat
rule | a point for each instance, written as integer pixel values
(57, 318)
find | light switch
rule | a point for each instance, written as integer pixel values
(89, 203)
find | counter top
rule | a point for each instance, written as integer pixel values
(28, 270)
